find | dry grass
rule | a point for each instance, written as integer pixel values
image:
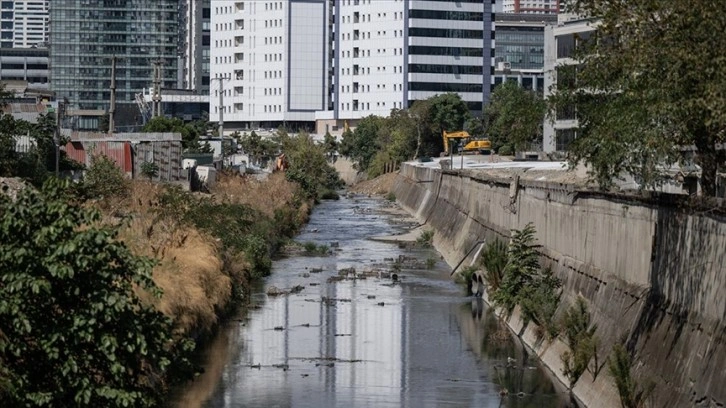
(266, 196)
(190, 271)
(194, 273)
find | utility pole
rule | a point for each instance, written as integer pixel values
(57, 135)
(220, 129)
(156, 95)
(112, 108)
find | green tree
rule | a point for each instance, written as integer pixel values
(105, 180)
(308, 165)
(515, 116)
(362, 143)
(190, 132)
(397, 141)
(73, 331)
(650, 81)
(257, 147)
(445, 112)
(330, 144)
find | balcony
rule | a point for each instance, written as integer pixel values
(239, 40)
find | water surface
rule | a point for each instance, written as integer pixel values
(373, 342)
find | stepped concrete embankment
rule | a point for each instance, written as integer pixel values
(652, 271)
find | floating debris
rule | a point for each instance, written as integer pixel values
(278, 328)
(316, 270)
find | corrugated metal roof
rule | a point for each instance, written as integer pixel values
(121, 137)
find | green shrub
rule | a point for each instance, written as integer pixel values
(74, 330)
(521, 269)
(391, 197)
(632, 394)
(494, 259)
(149, 170)
(581, 339)
(105, 180)
(431, 262)
(524, 283)
(426, 239)
(506, 150)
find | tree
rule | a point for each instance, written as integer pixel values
(105, 180)
(330, 144)
(515, 116)
(190, 132)
(308, 165)
(362, 143)
(73, 331)
(258, 148)
(649, 83)
(445, 112)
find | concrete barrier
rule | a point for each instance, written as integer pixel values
(651, 271)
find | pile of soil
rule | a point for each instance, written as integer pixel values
(378, 186)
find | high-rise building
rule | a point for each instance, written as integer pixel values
(337, 61)
(268, 60)
(194, 41)
(531, 6)
(86, 34)
(23, 23)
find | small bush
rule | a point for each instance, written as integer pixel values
(494, 259)
(149, 170)
(105, 180)
(311, 248)
(506, 150)
(391, 197)
(431, 262)
(632, 394)
(426, 239)
(581, 339)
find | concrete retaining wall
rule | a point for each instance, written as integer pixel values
(651, 272)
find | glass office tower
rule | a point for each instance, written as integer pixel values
(86, 34)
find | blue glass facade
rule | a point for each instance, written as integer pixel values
(86, 34)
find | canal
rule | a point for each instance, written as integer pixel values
(354, 336)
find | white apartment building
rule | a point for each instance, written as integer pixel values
(23, 23)
(560, 42)
(531, 6)
(268, 58)
(337, 61)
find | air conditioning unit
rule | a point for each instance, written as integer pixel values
(504, 66)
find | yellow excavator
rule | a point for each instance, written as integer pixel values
(472, 145)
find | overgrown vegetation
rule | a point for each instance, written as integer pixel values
(308, 165)
(632, 394)
(580, 336)
(405, 134)
(515, 116)
(27, 149)
(631, 120)
(526, 284)
(104, 180)
(426, 239)
(73, 331)
(494, 259)
(391, 196)
(191, 132)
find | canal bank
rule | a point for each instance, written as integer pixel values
(353, 335)
(650, 270)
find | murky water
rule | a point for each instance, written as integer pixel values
(371, 342)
